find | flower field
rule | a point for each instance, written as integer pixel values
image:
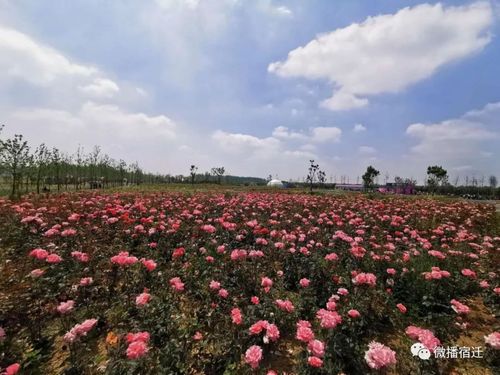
(246, 282)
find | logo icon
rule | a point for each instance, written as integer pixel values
(420, 351)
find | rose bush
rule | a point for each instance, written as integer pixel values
(239, 283)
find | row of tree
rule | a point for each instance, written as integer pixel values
(43, 168)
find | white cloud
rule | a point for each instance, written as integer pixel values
(120, 133)
(308, 147)
(449, 131)
(326, 134)
(130, 125)
(282, 11)
(367, 150)
(387, 53)
(466, 140)
(246, 144)
(23, 58)
(28, 66)
(343, 100)
(284, 133)
(319, 134)
(103, 123)
(61, 114)
(275, 149)
(101, 88)
(358, 128)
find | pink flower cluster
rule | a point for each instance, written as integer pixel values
(378, 355)
(149, 264)
(493, 339)
(80, 256)
(436, 274)
(79, 330)
(236, 316)
(304, 331)
(272, 331)
(123, 259)
(266, 283)
(177, 284)
(142, 299)
(365, 278)
(328, 319)
(137, 345)
(238, 254)
(65, 307)
(459, 307)
(424, 336)
(42, 254)
(253, 356)
(285, 305)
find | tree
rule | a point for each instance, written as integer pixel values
(122, 167)
(42, 159)
(79, 166)
(93, 161)
(493, 181)
(321, 177)
(55, 160)
(14, 158)
(436, 176)
(192, 172)
(219, 172)
(369, 177)
(136, 173)
(315, 174)
(398, 181)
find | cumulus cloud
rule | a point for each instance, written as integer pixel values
(279, 145)
(367, 150)
(284, 133)
(388, 53)
(358, 128)
(326, 134)
(245, 143)
(121, 133)
(319, 134)
(42, 75)
(467, 140)
(96, 123)
(23, 58)
(101, 88)
(67, 110)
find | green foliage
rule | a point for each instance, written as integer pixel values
(369, 177)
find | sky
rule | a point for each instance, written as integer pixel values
(258, 86)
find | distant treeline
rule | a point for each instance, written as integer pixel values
(43, 169)
(25, 169)
(472, 192)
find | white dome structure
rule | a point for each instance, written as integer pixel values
(275, 183)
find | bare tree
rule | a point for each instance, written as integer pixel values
(219, 172)
(314, 174)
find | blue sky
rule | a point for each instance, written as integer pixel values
(258, 86)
